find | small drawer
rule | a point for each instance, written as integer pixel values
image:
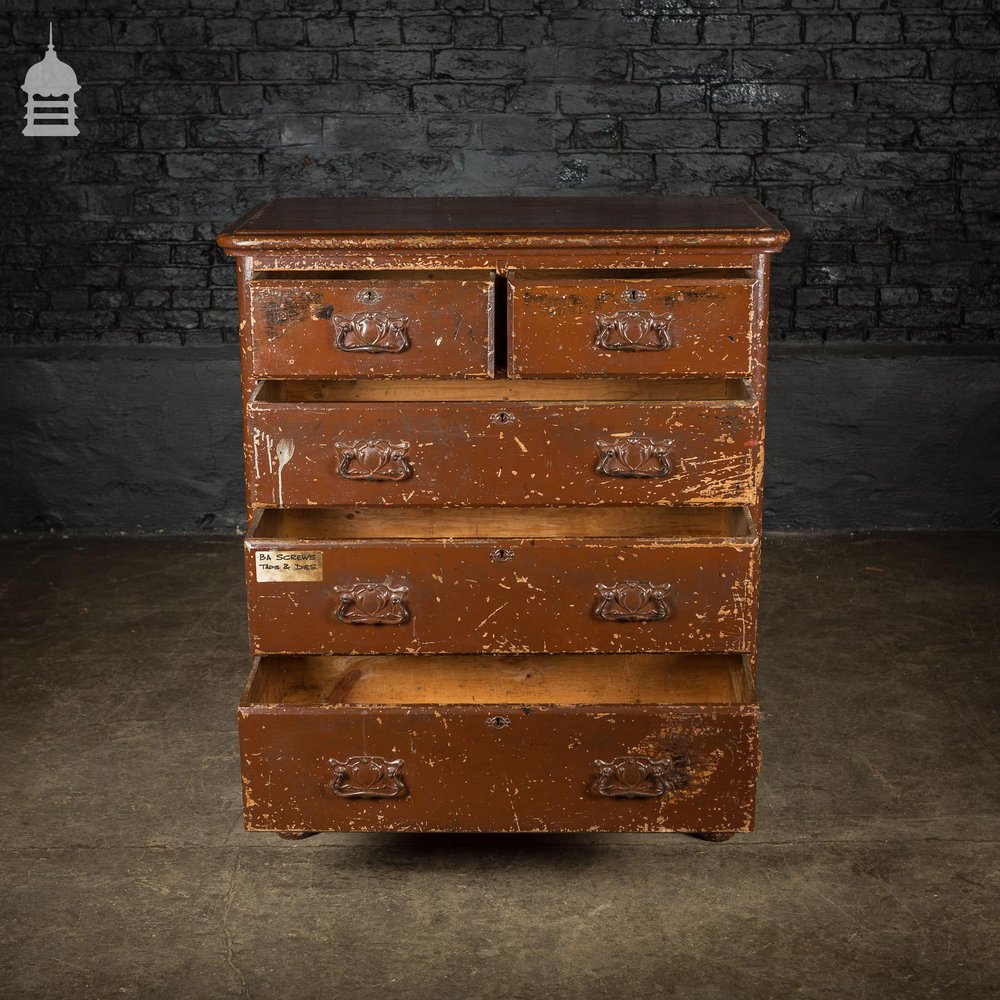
(635, 325)
(461, 444)
(505, 744)
(384, 326)
(419, 580)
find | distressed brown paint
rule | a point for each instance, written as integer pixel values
(513, 766)
(504, 452)
(629, 325)
(544, 598)
(371, 325)
(582, 525)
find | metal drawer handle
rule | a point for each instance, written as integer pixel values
(373, 604)
(640, 777)
(374, 461)
(371, 333)
(634, 331)
(634, 457)
(633, 601)
(368, 777)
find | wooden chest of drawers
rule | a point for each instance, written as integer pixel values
(503, 467)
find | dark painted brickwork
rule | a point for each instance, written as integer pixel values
(870, 126)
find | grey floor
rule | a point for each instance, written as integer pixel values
(873, 871)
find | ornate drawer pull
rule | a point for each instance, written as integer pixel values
(639, 777)
(368, 777)
(634, 457)
(633, 601)
(373, 604)
(634, 331)
(374, 461)
(371, 333)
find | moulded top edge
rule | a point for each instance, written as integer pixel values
(328, 223)
(249, 242)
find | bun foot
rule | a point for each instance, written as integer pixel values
(715, 836)
(296, 834)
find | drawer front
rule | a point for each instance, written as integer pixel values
(500, 595)
(372, 327)
(608, 325)
(477, 768)
(480, 454)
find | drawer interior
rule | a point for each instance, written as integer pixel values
(454, 524)
(500, 389)
(574, 679)
(406, 275)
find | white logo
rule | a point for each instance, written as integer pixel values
(50, 85)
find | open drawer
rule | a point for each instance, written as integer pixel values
(505, 441)
(500, 743)
(501, 580)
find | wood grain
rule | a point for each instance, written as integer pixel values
(644, 679)
(582, 391)
(456, 525)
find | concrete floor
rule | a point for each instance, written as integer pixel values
(125, 870)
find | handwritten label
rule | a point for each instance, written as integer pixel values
(277, 566)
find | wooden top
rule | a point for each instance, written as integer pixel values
(318, 223)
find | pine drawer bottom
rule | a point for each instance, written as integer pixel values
(570, 743)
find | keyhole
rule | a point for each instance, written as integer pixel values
(503, 417)
(633, 295)
(502, 555)
(498, 722)
(368, 296)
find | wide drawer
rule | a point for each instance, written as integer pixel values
(412, 325)
(622, 324)
(545, 442)
(526, 743)
(418, 580)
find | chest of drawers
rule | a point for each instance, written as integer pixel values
(503, 465)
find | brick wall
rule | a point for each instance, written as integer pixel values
(870, 126)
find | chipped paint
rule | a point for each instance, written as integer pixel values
(717, 327)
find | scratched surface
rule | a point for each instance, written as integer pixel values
(534, 775)
(660, 302)
(707, 325)
(461, 599)
(447, 324)
(502, 452)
